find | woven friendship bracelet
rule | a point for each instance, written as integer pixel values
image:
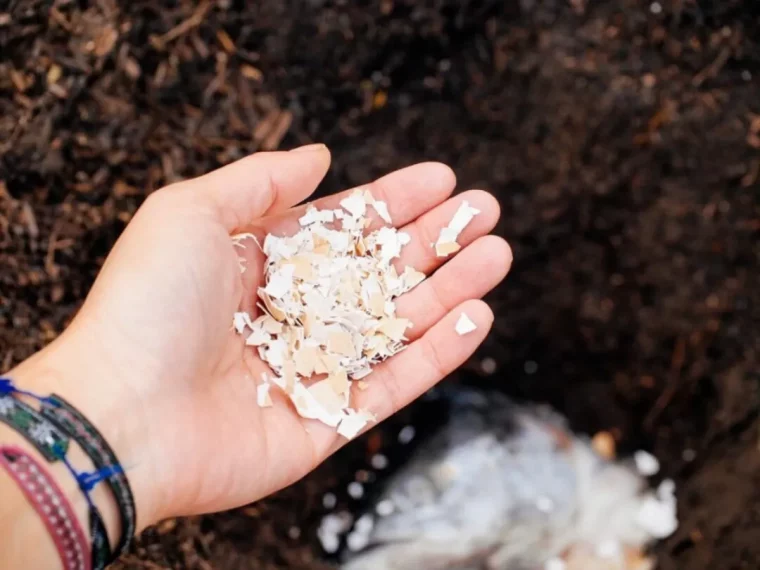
(101, 548)
(51, 505)
(44, 436)
(70, 420)
(51, 442)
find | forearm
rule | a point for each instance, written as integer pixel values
(24, 542)
(62, 370)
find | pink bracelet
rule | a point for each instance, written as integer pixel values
(51, 505)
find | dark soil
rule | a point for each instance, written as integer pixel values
(621, 137)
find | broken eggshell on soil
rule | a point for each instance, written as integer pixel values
(510, 486)
(328, 311)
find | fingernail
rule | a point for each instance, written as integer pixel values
(309, 148)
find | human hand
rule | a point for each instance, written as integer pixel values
(152, 360)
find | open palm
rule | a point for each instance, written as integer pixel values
(158, 322)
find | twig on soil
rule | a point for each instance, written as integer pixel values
(279, 130)
(30, 219)
(8, 360)
(713, 69)
(752, 174)
(60, 19)
(195, 20)
(140, 563)
(677, 361)
(54, 244)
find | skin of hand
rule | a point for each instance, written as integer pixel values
(153, 361)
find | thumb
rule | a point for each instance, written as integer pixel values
(262, 183)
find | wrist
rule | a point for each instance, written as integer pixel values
(72, 369)
(26, 542)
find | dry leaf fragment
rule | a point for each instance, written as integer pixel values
(54, 74)
(250, 72)
(465, 325)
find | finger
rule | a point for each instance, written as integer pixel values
(408, 193)
(420, 251)
(262, 183)
(407, 375)
(470, 275)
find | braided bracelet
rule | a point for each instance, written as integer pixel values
(51, 505)
(48, 439)
(63, 414)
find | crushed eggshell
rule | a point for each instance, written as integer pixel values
(354, 422)
(330, 529)
(609, 549)
(555, 564)
(237, 241)
(263, 398)
(657, 514)
(447, 239)
(586, 557)
(379, 206)
(464, 325)
(240, 321)
(328, 307)
(646, 463)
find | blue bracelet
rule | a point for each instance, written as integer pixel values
(50, 430)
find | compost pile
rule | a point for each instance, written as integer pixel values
(621, 138)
